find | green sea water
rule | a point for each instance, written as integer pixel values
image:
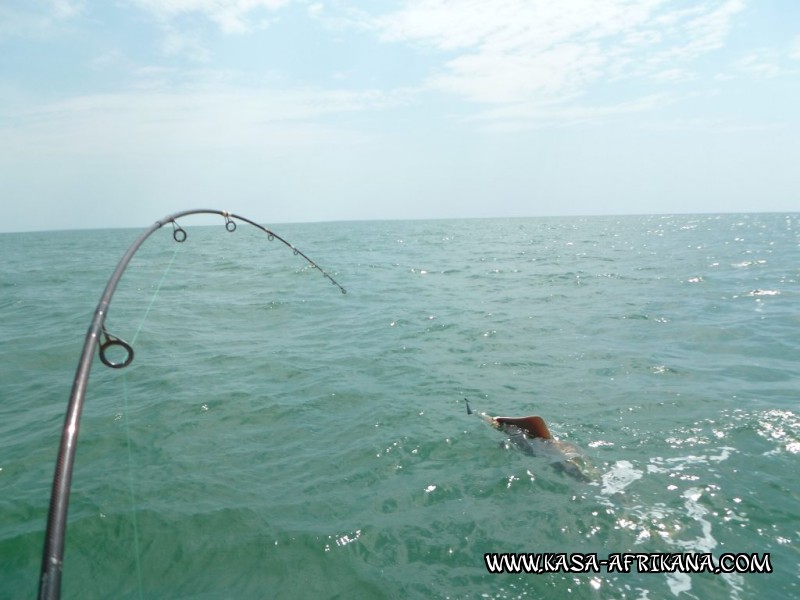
(275, 438)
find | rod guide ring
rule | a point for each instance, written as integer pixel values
(110, 341)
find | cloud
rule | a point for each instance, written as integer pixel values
(185, 23)
(231, 16)
(210, 116)
(42, 19)
(67, 9)
(539, 52)
(794, 50)
(524, 116)
(716, 126)
(760, 64)
(674, 75)
(705, 31)
(315, 10)
(184, 42)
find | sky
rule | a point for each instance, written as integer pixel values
(115, 113)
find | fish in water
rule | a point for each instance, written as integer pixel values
(532, 436)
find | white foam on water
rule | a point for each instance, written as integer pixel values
(620, 476)
(705, 542)
(679, 583)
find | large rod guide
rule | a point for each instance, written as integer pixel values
(52, 558)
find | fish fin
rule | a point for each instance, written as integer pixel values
(533, 425)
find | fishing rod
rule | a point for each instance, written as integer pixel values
(53, 555)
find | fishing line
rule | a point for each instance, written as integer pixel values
(131, 489)
(131, 483)
(155, 294)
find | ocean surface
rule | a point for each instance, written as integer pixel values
(275, 438)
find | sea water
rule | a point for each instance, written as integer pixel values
(274, 438)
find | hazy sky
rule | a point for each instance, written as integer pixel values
(115, 113)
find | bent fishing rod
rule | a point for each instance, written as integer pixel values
(53, 555)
